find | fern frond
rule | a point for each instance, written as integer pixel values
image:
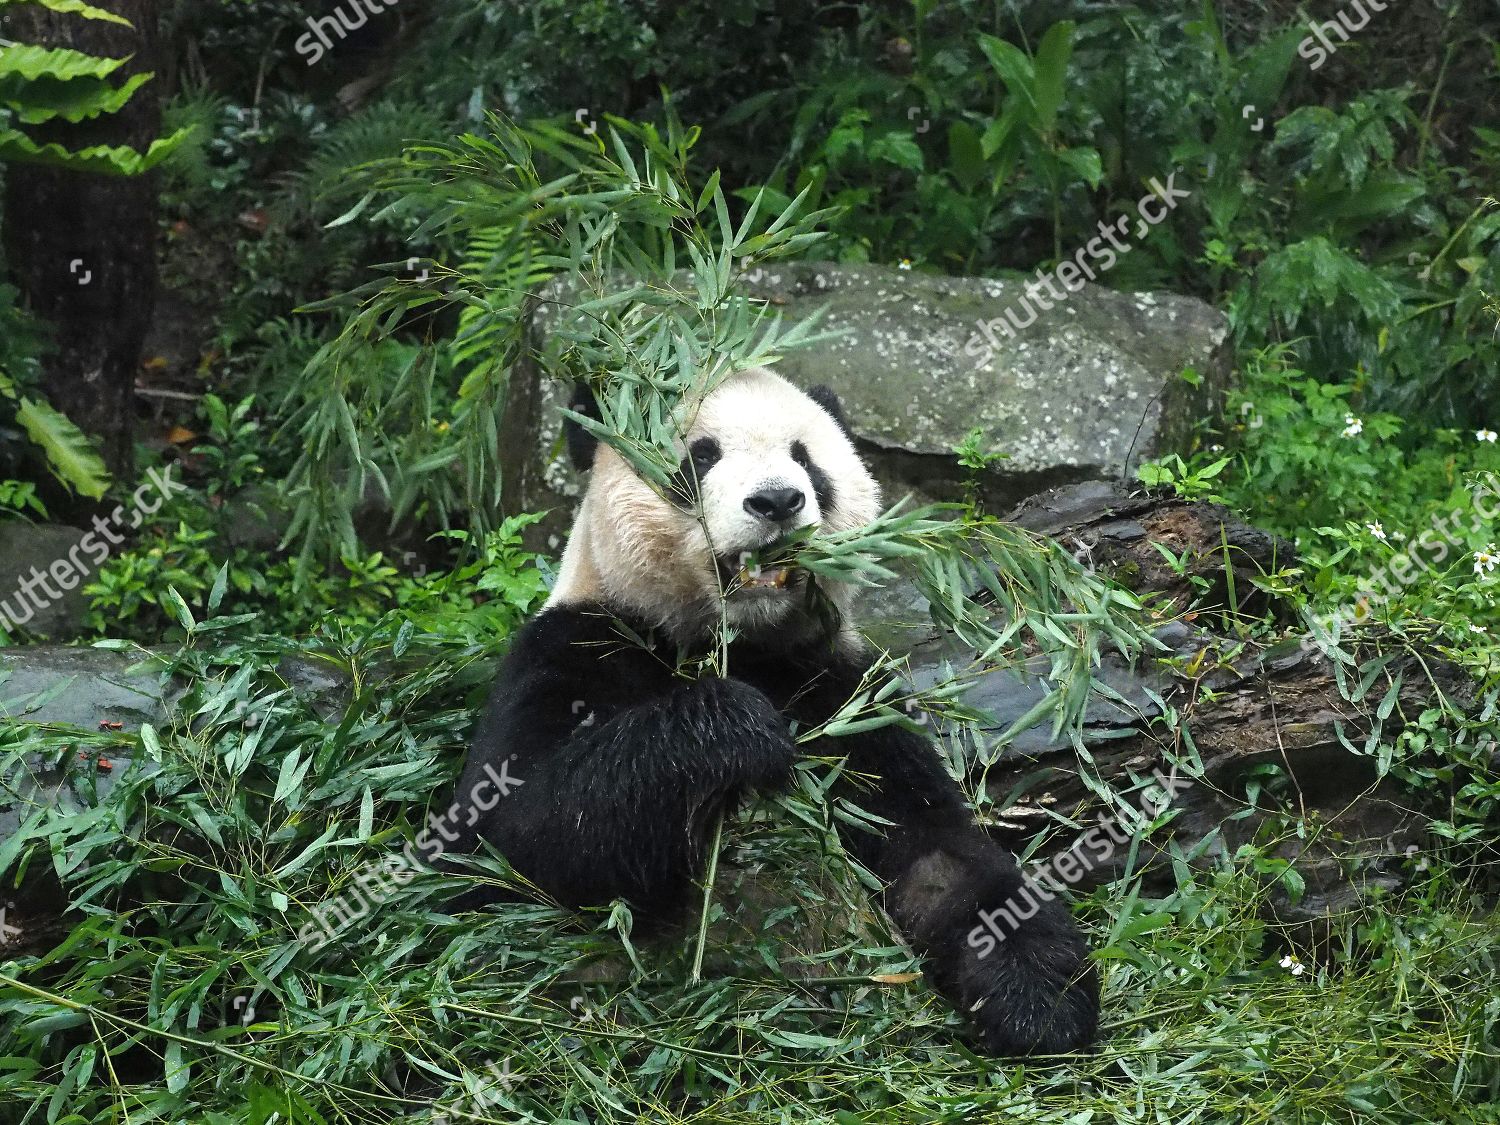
(381, 131)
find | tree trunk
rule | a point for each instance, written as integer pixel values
(82, 247)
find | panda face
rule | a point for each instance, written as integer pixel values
(749, 475)
(759, 460)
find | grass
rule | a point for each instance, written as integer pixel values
(178, 990)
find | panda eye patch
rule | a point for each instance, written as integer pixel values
(705, 453)
(822, 484)
(701, 456)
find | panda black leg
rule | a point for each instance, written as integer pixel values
(1024, 980)
(624, 808)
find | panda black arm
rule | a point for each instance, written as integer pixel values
(1027, 987)
(619, 768)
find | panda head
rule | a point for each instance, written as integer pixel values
(760, 460)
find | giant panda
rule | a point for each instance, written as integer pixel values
(620, 765)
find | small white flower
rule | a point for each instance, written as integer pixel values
(1486, 560)
(1353, 427)
(1398, 534)
(1486, 435)
(1478, 629)
(1294, 966)
(904, 264)
(1376, 530)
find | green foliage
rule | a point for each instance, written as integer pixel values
(1026, 128)
(69, 451)
(192, 869)
(138, 592)
(486, 598)
(21, 338)
(525, 206)
(974, 458)
(198, 559)
(193, 170)
(17, 497)
(1389, 526)
(232, 460)
(1189, 482)
(1290, 429)
(42, 84)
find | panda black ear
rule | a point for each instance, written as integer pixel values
(581, 443)
(826, 398)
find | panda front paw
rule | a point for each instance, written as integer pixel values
(1028, 990)
(747, 731)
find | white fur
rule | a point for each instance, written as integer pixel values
(633, 548)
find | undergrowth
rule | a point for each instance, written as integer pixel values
(182, 986)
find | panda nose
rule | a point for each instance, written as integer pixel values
(775, 504)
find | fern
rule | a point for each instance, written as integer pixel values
(278, 346)
(194, 114)
(380, 132)
(40, 84)
(70, 454)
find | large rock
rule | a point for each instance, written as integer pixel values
(111, 694)
(105, 697)
(85, 688)
(28, 549)
(80, 687)
(1088, 390)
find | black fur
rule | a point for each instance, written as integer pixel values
(822, 484)
(581, 443)
(828, 399)
(687, 482)
(623, 766)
